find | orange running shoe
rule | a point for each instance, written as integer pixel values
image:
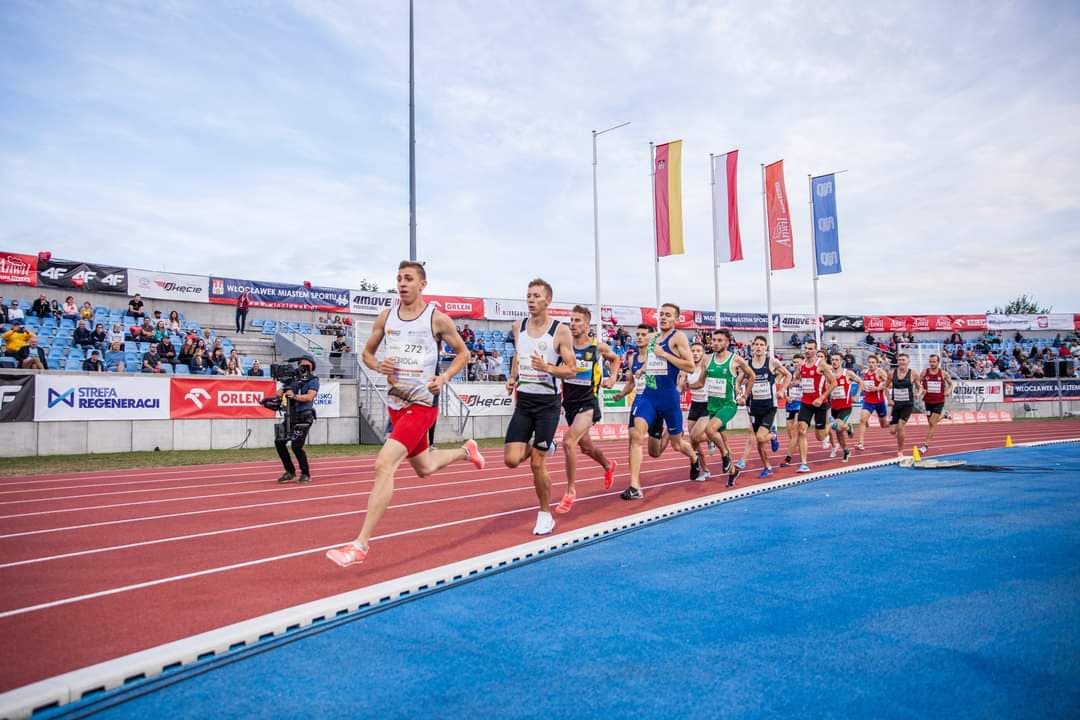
(566, 503)
(609, 476)
(351, 554)
(472, 452)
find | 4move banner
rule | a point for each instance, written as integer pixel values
(82, 397)
(169, 286)
(280, 296)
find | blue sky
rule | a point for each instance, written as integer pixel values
(269, 140)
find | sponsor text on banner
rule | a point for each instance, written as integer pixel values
(207, 399)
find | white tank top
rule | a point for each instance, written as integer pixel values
(700, 395)
(530, 380)
(412, 347)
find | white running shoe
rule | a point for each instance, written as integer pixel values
(826, 444)
(834, 451)
(860, 446)
(544, 524)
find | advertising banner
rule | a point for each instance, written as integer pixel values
(16, 397)
(978, 391)
(608, 399)
(365, 302)
(793, 323)
(845, 323)
(16, 269)
(280, 296)
(924, 323)
(328, 401)
(685, 321)
(206, 399)
(73, 275)
(781, 242)
(485, 399)
(458, 307)
(826, 233)
(620, 315)
(743, 321)
(169, 286)
(1037, 390)
(80, 397)
(501, 309)
(1050, 321)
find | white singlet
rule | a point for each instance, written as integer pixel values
(412, 347)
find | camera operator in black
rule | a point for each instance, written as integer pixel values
(298, 399)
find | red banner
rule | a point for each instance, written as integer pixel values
(469, 308)
(16, 269)
(923, 323)
(685, 320)
(781, 244)
(1076, 321)
(208, 399)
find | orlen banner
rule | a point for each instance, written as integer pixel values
(923, 323)
(281, 296)
(82, 397)
(455, 306)
(169, 286)
(685, 320)
(485, 399)
(16, 269)
(206, 399)
(978, 391)
(1050, 321)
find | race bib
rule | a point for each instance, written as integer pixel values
(794, 392)
(901, 395)
(933, 386)
(584, 365)
(527, 373)
(716, 387)
(639, 383)
(807, 385)
(656, 365)
(762, 390)
(408, 358)
(839, 392)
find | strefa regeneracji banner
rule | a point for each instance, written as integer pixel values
(105, 397)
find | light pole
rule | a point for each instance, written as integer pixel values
(412, 146)
(596, 229)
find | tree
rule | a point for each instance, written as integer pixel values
(366, 286)
(1022, 305)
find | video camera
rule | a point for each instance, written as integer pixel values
(291, 376)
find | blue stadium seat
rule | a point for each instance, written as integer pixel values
(167, 368)
(256, 323)
(181, 369)
(144, 347)
(8, 362)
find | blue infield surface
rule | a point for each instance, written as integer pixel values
(884, 593)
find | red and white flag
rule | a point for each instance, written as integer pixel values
(781, 244)
(727, 243)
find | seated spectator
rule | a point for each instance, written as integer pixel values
(174, 322)
(834, 346)
(200, 344)
(218, 345)
(56, 309)
(849, 360)
(16, 339)
(93, 363)
(135, 334)
(479, 345)
(151, 362)
(82, 336)
(1037, 370)
(116, 334)
(1034, 353)
(1063, 350)
(955, 339)
(100, 337)
(958, 352)
(1018, 337)
(135, 307)
(147, 328)
(41, 307)
(199, 365)
(1025, 369)
(255, 370)
(217, 362)
(467, 334)
(15, 312)
(114, 358)
(69, 309)
(86, 312)
(322, 325)
(166, 350)
(31, 357)
(1057, 341)
(207, 336)
(795, 341)
(339, 346)
(3, 312)
(187, 351)
(161, 332)
(232, 367)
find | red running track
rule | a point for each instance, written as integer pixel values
(97, 565)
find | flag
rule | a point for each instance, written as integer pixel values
(727, 243)
(781, 246)
(826, 233)
(667, 191)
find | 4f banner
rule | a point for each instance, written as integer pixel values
(781, 243)
(667, 197)
(16, 397)
(72, 275)
(826, 234)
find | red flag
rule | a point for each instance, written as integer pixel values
(781, 245)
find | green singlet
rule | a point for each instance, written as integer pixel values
(720, 386)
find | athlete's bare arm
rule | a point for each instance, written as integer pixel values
(446, 331)
(783, 376)
(830, 382)
(511, 380)
(916, 382)
(949, 384)
(378, 332)
(744, 376)
(700, 382)
(614, 361)
(564, 346)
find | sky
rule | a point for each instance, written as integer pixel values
(269, 140)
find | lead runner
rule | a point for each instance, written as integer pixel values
(413, 331)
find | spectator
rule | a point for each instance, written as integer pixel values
(834, 346)
(116, 334)
(1025, 369)
(1037, 370)
(31, 357)
(174, 322)
(217, 361)
(467, 334)
(86, 312)
(114, 358)
(147, 328)
(16, 339)
(479, 345)
(495, 372)
(849, 360)
(135, 307)
(232, 367)
(69, 309)
(255, 370)
(157, 318)
(151, 363)
(15, 312)
(93, 363)
(41, 307)
(82, 336)
(207, 336)
(956, 339)
(99, 336)
(1063, 350)
(4, 317)
(1018, 338)
(795, 341)
(56, 309)
(166, 350)
(200, 344)
(339, 346)
(242, 304)
(135, 334)
(161, 332)
(198, 363)
(218, 345)
(187, 351)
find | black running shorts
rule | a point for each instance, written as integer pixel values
(536, 417)
(698, 410)
(762, 418)
(901, 412)
(573, 409)
(818, 414)
(935, 408)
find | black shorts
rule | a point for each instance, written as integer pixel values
(656, 430)
(818, 414)
(793, 415)
(698, 410)
(573, 409)
(762, 418)
(843, 414)
(536, 417)
(901, 411)
(935, 408)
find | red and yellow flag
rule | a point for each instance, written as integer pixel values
(667, 191)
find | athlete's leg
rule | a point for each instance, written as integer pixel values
(864, 422)
(932, 422)
(900, 432)
(428, 463)
(386, 464)
(514, 453)
(638, 433)
(763, 438)
(541, 479)
(698, 431)
(594, 452)
(578, 431)
(803, 427)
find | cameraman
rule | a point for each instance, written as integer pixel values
(300, 414)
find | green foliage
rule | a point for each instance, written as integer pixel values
(1022, 305)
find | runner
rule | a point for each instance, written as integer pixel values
(873, 380)
(581, 404)
(413, 332)
(766, 378)
(699, 405)
(548, 349)
(840, 404)
(635, 385)
(903, 384)
(937, 385)
(794, 401)
(667, 353)
(817, 382)
(720, 380)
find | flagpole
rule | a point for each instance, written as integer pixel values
(596, 229)
(716, 265)
(768, 261)
(656, 253)
(813, 264)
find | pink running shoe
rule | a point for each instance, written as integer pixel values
(566, 503)
(609, 476)
(472, 452)
(351, 554)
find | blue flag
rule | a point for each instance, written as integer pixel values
(826, 233)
